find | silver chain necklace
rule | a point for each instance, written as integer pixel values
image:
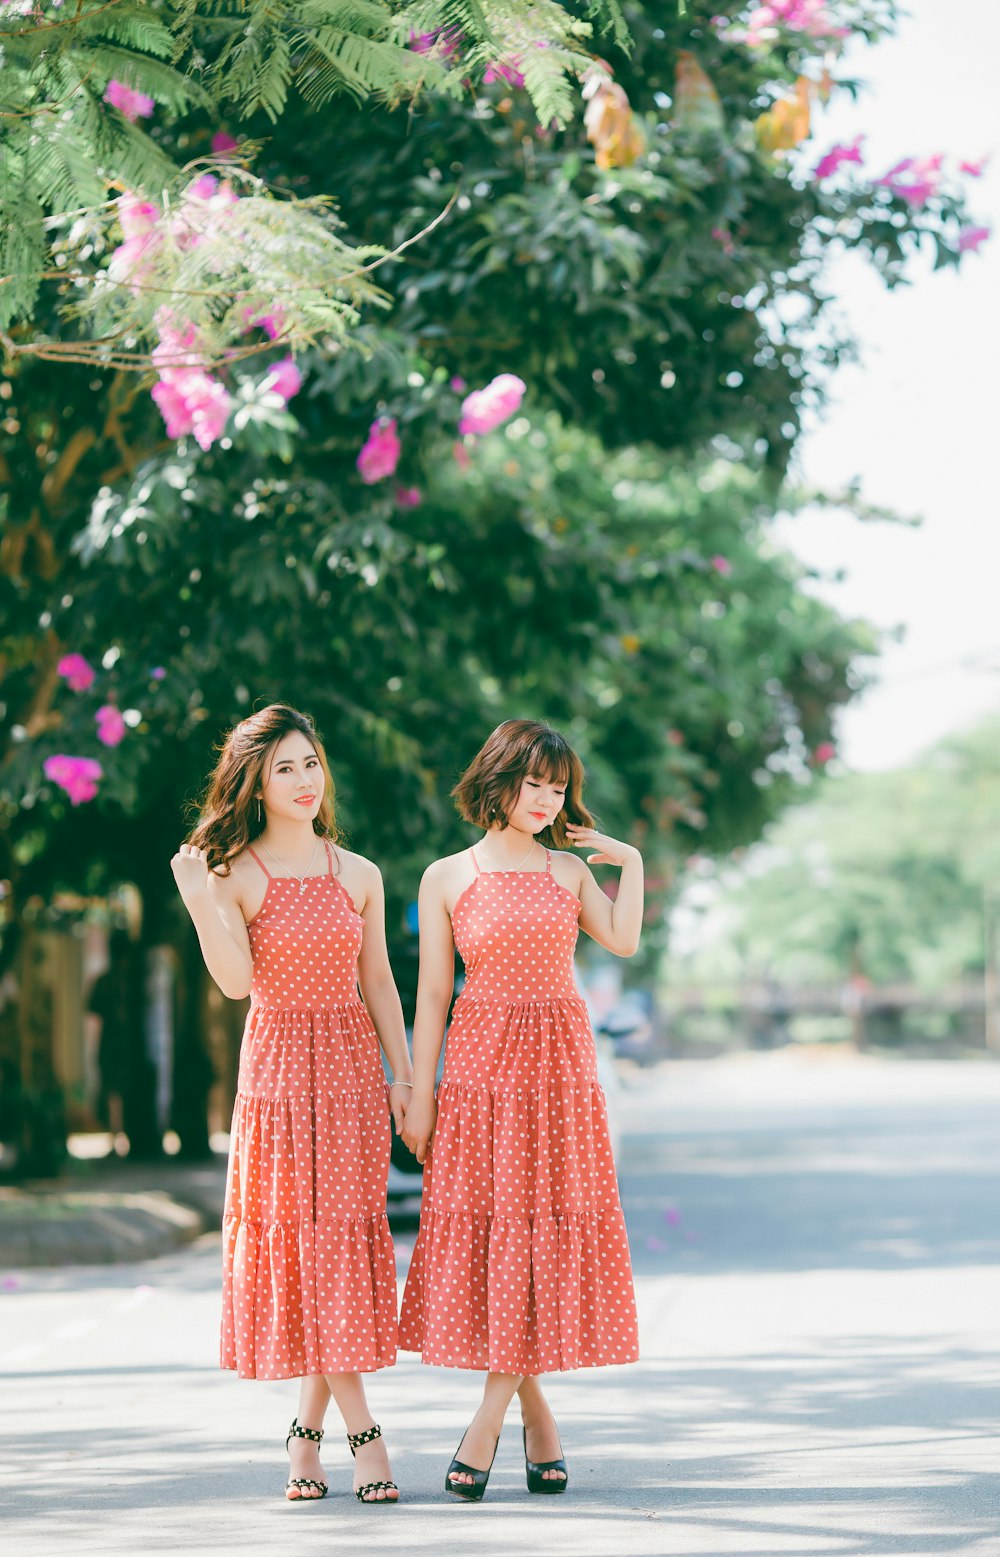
(509, 867)
(291, 873)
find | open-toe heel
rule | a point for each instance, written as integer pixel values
(472, 1491)
(315, 1435)
(357, 1441)
(534, 1473)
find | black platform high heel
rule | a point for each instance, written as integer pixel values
(472, 1491)
(534, 1473)
(315, 1435)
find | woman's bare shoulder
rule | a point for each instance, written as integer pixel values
(568, 869)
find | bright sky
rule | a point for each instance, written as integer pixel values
(919, 419)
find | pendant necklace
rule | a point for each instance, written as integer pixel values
(519, 863)
(291, 874)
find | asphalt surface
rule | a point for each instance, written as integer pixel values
(817, 1250)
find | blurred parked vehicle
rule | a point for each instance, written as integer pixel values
(632, 1029)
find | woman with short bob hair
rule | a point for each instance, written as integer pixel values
(287, 915)
(521, 1265)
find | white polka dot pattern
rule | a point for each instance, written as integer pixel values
(521, 1263)
(309, 1275)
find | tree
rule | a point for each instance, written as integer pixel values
(601, 561)
(897, 863)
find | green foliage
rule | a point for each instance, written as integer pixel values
(890, 868)
(545, 579)
(568, 573)
(63, 151)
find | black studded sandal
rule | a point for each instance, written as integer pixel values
(534, 1471)
(357, 1441)
(315, 1435)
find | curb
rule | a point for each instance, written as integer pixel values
(94, 1227)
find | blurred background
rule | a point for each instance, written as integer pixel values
(734, 534)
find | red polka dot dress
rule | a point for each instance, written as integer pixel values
(521, 1264)
(309, 1277)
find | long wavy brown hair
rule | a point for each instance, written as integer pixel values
(520, 749)
(229, 816)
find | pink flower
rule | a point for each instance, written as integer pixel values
(191, 401)
(487, 408)
(457, 384)
(138, 219)
(408, 497)
(189, 398)
(675, 738)
(284, 378)
(723, 236)
(272, 323)
(461, 456)
(824, 753)
(722, 565)
(202, 204)
(222, 142)
(78, 776)
(671, 1215)
(974, 169)
(77, 672)
(837, 156)
(158, 673)
(441, 42)
(178, 344)
(380, 452)
(807, 16)
(969, 238)
(111, 726)
(134, 105)
(920, 183)
(504, 70)
(202, 188)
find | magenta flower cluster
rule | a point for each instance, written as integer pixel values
(111, 725)
(485, 409)
(77, 672)
(481, 412)
(134, 105)
(191, 399)
(78, 776)
(914, 179)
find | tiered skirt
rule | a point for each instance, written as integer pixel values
(521, 1264)
(309, 1278)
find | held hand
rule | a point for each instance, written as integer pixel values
(190, 868)
(418, 1131)
(399, 1102)
(610, 851)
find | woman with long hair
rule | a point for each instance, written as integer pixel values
(521, 1265)
(287, 915)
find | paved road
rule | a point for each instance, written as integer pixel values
(818, 1253)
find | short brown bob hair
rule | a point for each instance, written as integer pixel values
(230, 817)
(520, 749)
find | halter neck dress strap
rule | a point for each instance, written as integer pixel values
(548, 862)
(475, 862)
(329, 856)
(260, 862)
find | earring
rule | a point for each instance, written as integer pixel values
(260, 812)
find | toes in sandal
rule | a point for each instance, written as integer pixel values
(315, 1435)
(472, 1491)
(357, 1441)
(534, 1471)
